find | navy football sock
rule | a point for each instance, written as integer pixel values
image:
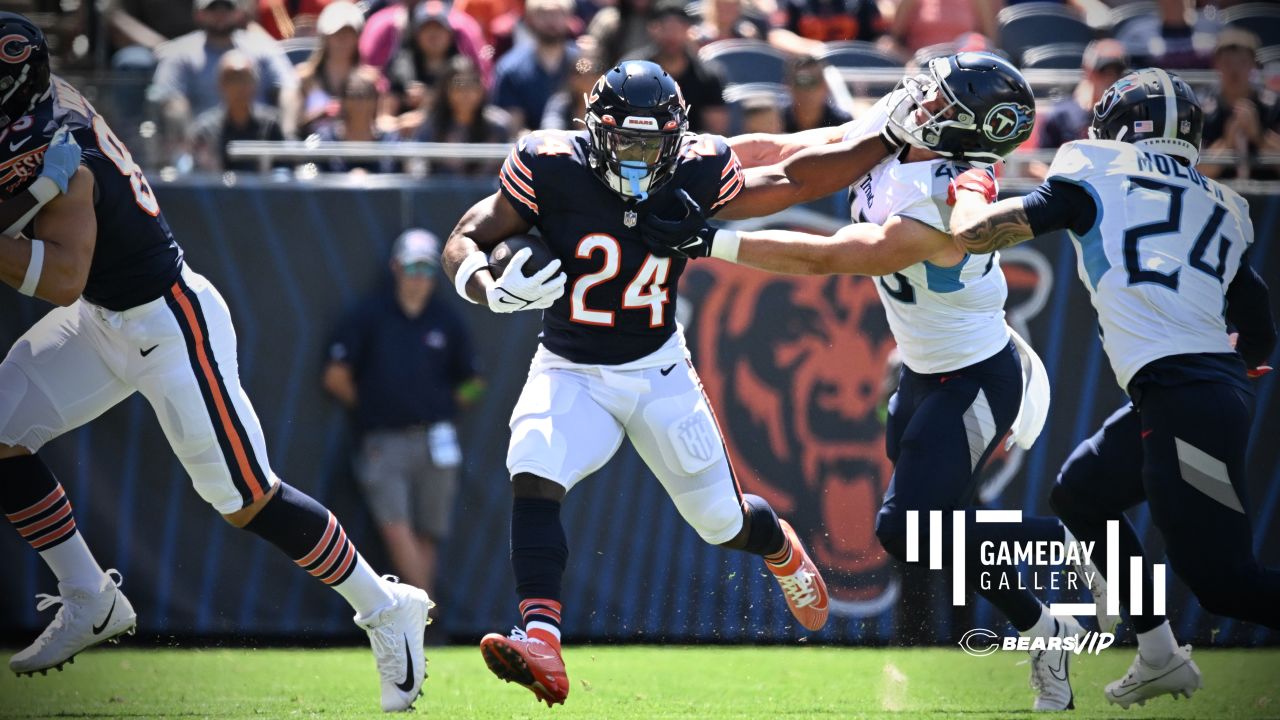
(539, 553)
(764, 534)
(33, 500)
(314, 539)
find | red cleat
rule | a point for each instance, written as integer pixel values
(803, 585)
(528, 662)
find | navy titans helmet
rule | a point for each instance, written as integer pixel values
(636, 117)
(973, 107)
(24, 67)
(1154, 109)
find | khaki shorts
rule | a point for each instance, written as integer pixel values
(402, 484)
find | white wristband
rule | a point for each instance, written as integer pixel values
(470, 265)
(44, 190)
(34, 268)
(724, 245)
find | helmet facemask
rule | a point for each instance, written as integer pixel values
(970, 107)
(636, 158)
(925, 108)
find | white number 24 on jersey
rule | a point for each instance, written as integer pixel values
(645, 291)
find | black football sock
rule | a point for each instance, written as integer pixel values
(539, 553)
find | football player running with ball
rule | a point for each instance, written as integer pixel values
(613, 361)
(1164, 254)
(133, 317)
(967, 379)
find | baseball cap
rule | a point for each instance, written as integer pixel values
(338, 15)
(416, 245)
(670, 8)
(1235, 37)
(431, 11)
(1103, 54)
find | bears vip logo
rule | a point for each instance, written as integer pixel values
(796, 369)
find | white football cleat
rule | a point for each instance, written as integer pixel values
(1051, 670)
(1177, 677)
(88, 617)
(396, 634)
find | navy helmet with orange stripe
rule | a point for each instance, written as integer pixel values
(1152, 108)
(636, 117)
(24, 67)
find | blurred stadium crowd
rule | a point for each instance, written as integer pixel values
(180, 80)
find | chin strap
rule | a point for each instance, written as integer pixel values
(633, 173)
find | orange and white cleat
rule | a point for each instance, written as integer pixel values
(528, 662)
(802, 584)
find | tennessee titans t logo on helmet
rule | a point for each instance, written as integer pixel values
(1006, 121)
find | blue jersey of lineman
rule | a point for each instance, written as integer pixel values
(135, 258)
(619, 304)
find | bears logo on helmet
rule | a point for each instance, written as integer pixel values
(636, 118)
(24, 67)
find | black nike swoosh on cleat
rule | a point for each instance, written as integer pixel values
(667, 370)
(97, 629)
(148, 350)
(1129, 688)
(407, 684)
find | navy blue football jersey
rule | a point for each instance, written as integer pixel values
(135, 258)
(620, 300)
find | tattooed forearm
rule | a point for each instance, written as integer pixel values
(991, 227)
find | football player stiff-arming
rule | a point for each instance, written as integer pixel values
(1164, 254)
(612, 361)
(967, 379)
(133, 317)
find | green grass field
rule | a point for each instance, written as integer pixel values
(620, 682)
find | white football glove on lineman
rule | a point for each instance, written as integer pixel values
(514, 292)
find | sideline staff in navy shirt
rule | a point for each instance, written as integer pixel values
(402, 363)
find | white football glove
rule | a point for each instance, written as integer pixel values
(514, 292)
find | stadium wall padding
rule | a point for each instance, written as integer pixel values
(794, 366)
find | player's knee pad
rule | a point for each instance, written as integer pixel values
(764, 532)
(716, 515)
(891, 531)
(22, 409)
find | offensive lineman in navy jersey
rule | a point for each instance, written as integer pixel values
(132, 317)
(613, 361)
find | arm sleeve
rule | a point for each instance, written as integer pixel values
(717, 173)
(1060, 205)
(1249, 312)
(517, 179)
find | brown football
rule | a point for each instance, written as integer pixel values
(501, 254)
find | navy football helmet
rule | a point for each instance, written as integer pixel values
(973, 107)
(24, 67)
(636, 117)
(1154, 109)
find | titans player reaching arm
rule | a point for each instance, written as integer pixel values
(1163, 251)
(967, 379)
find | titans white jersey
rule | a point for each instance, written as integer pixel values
(1165, 245)
(943, 318)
